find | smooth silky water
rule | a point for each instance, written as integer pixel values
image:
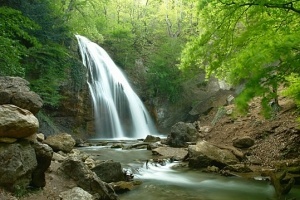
(118, 111)
(167, 183)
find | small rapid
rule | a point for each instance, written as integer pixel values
(167, 181)
(164, 182)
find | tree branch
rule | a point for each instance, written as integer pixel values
(285, 6)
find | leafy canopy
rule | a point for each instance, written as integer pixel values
(255, 43)
(15, 40)
(152, 32)
(31, 39)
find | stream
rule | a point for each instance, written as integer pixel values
(168, 182)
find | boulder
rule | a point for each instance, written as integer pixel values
(215, 100)
(117, 146)
(181, 133)
(204, 154)
(15, 90)
(239, 154)
(212, 169)
(90, 162)
(109, 171)
(40, 137)
(243, 142)
(16, 122)
(170, 152)
(76, 193)
(17, 162)
(7, 140)
(32, 138)
(154, 145)
(205, 129)
(57, 157)
(123, 186)
(151, 138)
(79, 142)
(44, 155)
(86, 179)
(61, 142)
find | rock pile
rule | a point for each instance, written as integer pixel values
(25, 154)
(23, 160)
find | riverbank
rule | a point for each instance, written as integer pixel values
(275, 145)
(275, 139)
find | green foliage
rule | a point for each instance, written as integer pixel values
(293, 90)
(119, 43)
(36, 40)
(164, 78)
(43, 117)
(14, 40)
(20, 190)
(45, 69)
(77, 74)
(15, 25)
(252, 42)
(131, 30)
(41, 55)
(82, 17)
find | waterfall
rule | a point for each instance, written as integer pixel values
(118, 111)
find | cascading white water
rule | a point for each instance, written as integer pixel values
(119, 113)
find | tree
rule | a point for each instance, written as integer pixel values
(152, 32)
(15, 40)
(255, 43)
(34, 38)
(164, 78)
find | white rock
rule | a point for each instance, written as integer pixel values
(76, 193)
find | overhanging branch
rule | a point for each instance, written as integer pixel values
(286, 6)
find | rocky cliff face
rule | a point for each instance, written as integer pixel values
(198, 98)
(74, 115)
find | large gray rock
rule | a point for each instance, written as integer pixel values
(16, 122)
(61, 142)
(124, 186)
(17, 162)
(15, 90)
(44, 155)
(170, 152)
(204, 154)
(151, 138)
(217, 99)
(243, 142)
(181, 133)
(109, 171)
(76, 193)
(86, 179)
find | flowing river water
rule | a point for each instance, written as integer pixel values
(178, 183)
